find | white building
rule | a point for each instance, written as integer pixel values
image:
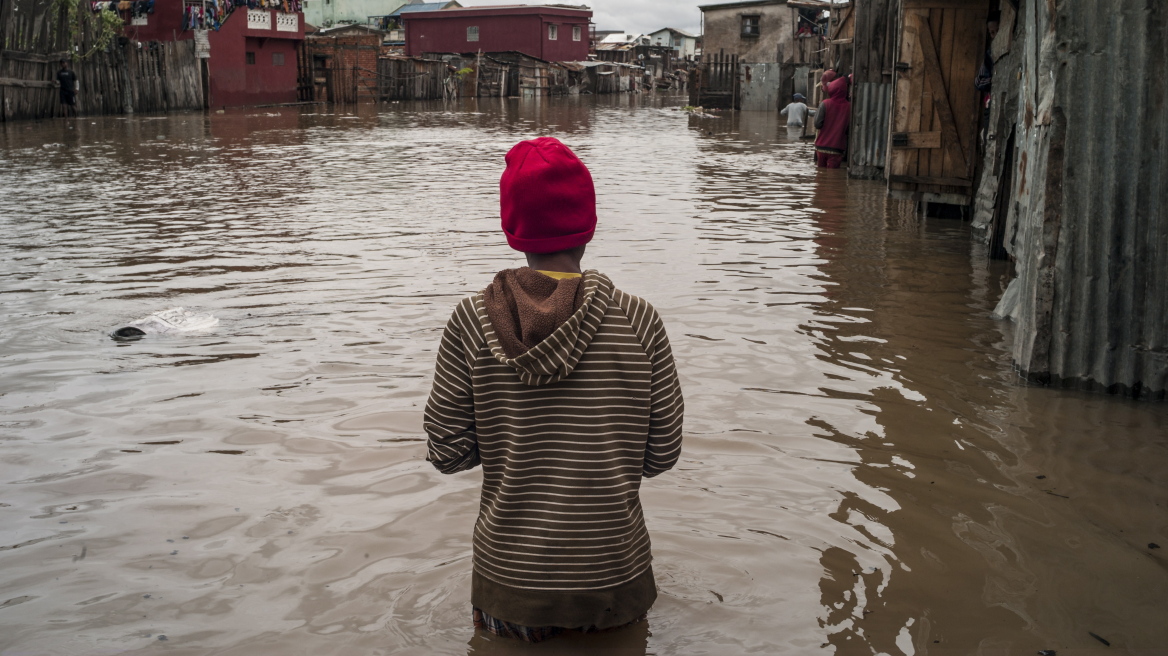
(683, 42)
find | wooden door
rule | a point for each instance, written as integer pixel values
(935, 107)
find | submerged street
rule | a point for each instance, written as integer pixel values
(863, 470)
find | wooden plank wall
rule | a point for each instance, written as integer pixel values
(874, 40)
(935, 94)
(123, 78)
(402, 78)
(715, 83)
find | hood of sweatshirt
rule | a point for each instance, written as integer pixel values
(837, 90)
(540, 326)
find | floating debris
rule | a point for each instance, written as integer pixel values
(166, 322)
(699, 112)
(228, 452)
(1099, 638)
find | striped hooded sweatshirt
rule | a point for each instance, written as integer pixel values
(565, 392)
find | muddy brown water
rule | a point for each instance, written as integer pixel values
(863, 471)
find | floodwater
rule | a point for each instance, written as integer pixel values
(863, 471)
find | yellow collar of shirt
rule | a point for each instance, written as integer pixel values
(559, 275)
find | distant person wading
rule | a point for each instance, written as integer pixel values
(67, 81)
(797, 112)
(563, 388)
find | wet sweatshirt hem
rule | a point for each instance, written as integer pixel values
(571, 609)
(565, 432)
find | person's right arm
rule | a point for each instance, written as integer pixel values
(452, 443)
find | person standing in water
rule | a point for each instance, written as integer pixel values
(797, 112)
(833, 122)
(67, 81)
(564, 389)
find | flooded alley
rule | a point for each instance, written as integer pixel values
(863, 472)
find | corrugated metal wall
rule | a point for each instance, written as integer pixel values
(1089, 228)
(761, 86)
(868, 141)
(874, 42)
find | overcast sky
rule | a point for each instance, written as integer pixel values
(637, 16)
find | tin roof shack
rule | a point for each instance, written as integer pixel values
(608, 77)
(251, 53)
(511, 74)
(619, 47)
(1087, 221)
(547, 32)
(342, 63)
(684, 44)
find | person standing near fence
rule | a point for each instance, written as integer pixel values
(833, 121)
(67, 81)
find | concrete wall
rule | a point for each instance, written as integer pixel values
(165, 24)
(1088, 227)
(723, 33)
(326, 13)
(234, 82)
(519, 30)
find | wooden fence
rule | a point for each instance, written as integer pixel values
(124, 77)
(715, 83)
(401, 78)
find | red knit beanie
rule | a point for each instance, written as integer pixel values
(546, 198)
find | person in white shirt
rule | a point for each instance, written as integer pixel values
(797, 112)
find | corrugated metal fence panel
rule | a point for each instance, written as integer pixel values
(1089, 225)
(871, 103)
(1111, 285)
(760, 86)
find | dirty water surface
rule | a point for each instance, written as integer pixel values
(863, 472)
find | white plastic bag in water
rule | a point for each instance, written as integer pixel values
(166, 322)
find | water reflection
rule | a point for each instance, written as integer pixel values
(863, 471)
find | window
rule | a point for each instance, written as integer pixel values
(472, 33)
(750, 26)
(577, 33)
(277, 59)
(250, 58)
(553, 32)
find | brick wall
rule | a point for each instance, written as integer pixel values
(347, 64)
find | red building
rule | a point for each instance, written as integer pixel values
(548, 32)
(252, 54)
